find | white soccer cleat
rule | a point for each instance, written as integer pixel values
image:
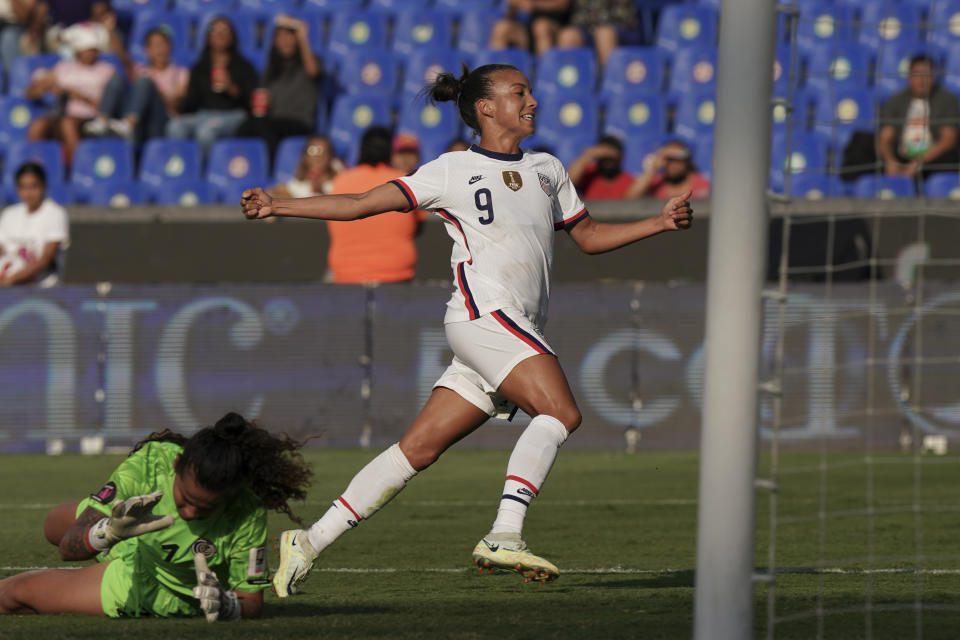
(509, 553)
(296, 560)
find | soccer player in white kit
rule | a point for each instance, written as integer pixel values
(501, 206)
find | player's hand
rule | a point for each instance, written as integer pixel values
(215, 603)
(128, 518)
(256, 203)
(677, 213)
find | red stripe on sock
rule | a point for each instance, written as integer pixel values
(347, 505)
(525, 483)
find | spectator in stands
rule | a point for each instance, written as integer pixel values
(219, 89)
(543, 23)
(606, 23)
(286, 102)
(315, 171)
(598, 172)
(150, 101)
(670, 172)
(377, 249)
(32, 232)
(80, 82)
(22, 30)
(405, 153)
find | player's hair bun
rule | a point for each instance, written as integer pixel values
(447, 87)
(230, 426)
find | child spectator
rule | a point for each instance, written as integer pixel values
(315, 171)
(219, 89)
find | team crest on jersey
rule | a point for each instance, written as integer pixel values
(106, 494)
(513, 180)
(545, 185)
(204, 547)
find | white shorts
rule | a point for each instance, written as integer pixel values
(485, 350)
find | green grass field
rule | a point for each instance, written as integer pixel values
(622, 529)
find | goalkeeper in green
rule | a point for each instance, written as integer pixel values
(179, 529)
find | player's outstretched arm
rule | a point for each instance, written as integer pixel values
(257, 203)
(598, 237)
(93, 533)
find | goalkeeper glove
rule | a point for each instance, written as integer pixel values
(128, 518)
(215, 603)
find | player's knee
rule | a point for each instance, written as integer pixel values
(570, 418)
(420, 454)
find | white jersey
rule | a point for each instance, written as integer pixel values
(501, 210)
(23, 235)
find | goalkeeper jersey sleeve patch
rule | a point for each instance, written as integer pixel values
(106, 494)
(257, 564)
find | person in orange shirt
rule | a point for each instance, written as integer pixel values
(377, 249)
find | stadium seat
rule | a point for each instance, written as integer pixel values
(268, 8)
(424, 29)
(118, 194)
(884, 23)
(821, 24)
(636, 114)
(685, 25)
(197, 7)
(694, 69)
(473, 31)
(187, 193)
(356, 29)
(459, 7)
(893, 65)
(351, 116)
(520, 58)
(164, 161)
(45, 152)
(782, 80)
(97, 161)
(838, 65)
(800, 116)
(703, 156)
(177, 26)
(133, 7)
(941, 26)
(631, 69)
(811, 186)
(399, 7)
(287, 158)
(841, 112)
(566, 72)
(568, 120)
(370, 71)
(943, 185)
(424, 65)
(695, 116)
(638, 150)
(809, 154)
(23, 69)
(235, 164)
(434, 125)
(331, 5)
(16, 113)
(884, 187)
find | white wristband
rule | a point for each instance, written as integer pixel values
(97, 535)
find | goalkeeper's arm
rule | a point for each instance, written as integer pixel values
(93, 533)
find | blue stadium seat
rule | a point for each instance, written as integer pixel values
(332, 5)
(434, 125)
(884, 187)
(204, 6)
(473, 32)
(568, 149)
(822, 24)
(884, 23)
(287, 157)
(812, 186)
(23, 69)
(782, 80)
(631, 69)
(269, 8)
(98, 161)
(165, 160)
(636, 114)
(520, 58)
(843, 111)
(684, 25)
(399, 7)
(176, 24)
(893, 65)
(45, 152)
(638, 150)
(15, 116)
(187, 193)
(369, 71)
(356, 29)
(118, 194)
(459, 7)
(809, 154)
(566, 72)
(695, 116)
(569, 120)
(423, 66)
(943, 185)
(838, 65)
(951, 79)
(941, 27)
(413, 30)
(235, 164)
(133, 7)
(801, 114)
(352, 115)
(694, 69)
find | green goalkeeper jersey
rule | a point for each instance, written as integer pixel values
(232, 537)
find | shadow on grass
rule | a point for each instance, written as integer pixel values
(677, 579)
(312, 610)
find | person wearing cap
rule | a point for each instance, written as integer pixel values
(378, 249)
(669, 172)
(80, 81)
(405, 153)
(598, 172)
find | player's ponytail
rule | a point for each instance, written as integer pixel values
(466, 90)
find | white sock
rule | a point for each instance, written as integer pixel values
(529, 464)
(374, 486)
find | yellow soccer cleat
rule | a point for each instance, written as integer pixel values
(509, 553)
(296, 560)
